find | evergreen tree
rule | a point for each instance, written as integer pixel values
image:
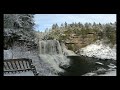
(65, 25)
(18, 26)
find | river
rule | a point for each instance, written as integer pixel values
(80, 65)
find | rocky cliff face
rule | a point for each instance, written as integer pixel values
(74, 43)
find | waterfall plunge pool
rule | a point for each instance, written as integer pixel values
(81, 65)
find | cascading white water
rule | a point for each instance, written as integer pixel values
(50, 47)
(48, 61)
(50, 54)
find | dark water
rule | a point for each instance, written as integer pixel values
(80, 65)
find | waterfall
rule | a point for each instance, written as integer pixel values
(48, 60)
(51, 58)
(49, 47)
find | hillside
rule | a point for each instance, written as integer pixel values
(78, 35)
(99, 50)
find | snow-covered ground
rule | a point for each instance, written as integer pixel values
(99, 50)
(28, 73)
(111, 73)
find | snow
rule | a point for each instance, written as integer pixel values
(99, 50)
(7, 54)
(67, 52)
(28, 73)
(111, 73)
(90, 74)
(111, 66)
(99, 63)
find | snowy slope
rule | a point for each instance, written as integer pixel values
(111, 73)
(99, 50)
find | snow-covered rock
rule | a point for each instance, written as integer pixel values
(67, 52)
(111, 66)
(99, 63)
(90, 74)
(8, 54)
(111, 73)
(99, 50)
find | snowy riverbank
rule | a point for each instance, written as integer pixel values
(111, 73)
(99, 50)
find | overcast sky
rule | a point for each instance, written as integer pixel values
(44, 21)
